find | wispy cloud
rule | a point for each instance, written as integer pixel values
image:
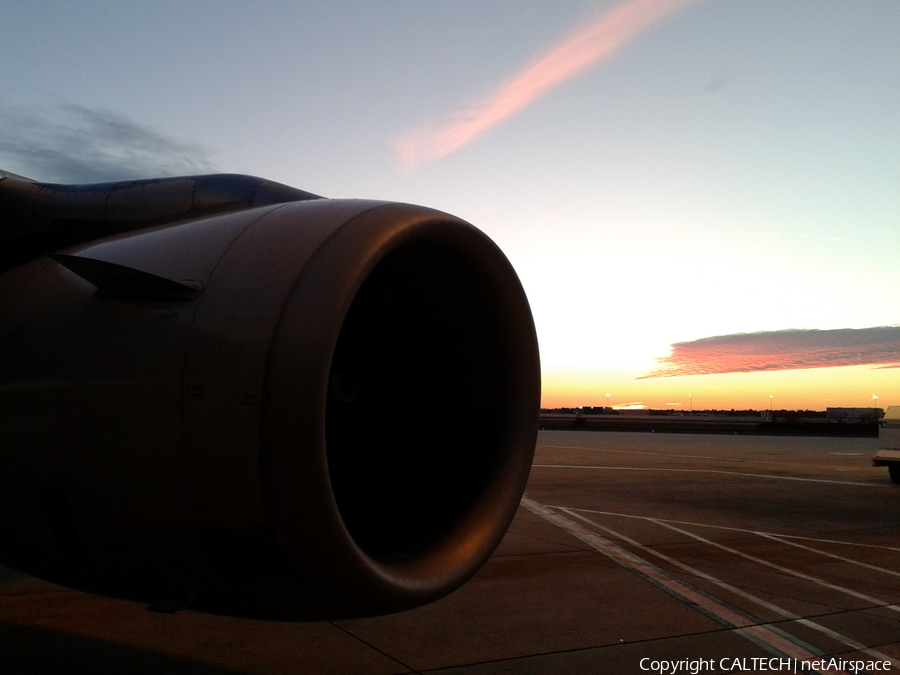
(77, 144)
(575, 54)
(782, 350)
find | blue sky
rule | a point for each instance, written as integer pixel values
(734, 168)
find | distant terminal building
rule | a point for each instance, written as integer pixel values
(854, 414)
(595, 410)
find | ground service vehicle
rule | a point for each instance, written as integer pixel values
(889, 442)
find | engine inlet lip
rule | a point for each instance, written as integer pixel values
(303, 512)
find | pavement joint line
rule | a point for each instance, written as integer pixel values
(724, 527)
(542, 539)
(720, 471)
(768, 638)
(781, 568)
(869, 651)
(556, 652)
(573, 650)
(346, 631)
(787, 614)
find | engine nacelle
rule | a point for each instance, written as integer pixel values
(310, 409)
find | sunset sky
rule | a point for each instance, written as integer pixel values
(701, 197)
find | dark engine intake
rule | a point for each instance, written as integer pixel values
(308, 408)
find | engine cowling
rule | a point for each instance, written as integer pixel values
(309, 409)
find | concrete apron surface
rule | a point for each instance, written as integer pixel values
(631, 553)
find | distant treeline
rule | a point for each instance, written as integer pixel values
(774, 423)
(791, 414)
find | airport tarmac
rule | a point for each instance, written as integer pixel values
(750, 553)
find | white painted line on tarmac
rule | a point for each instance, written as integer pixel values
(657, 454)
(775, 537)
(763, 635)
(730, 529)
(687, 568)
(850, 642)
(729, 473)
(874, 653)
(707, 457)
(780, 568)
(827, 541)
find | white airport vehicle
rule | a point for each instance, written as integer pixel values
(889, 442)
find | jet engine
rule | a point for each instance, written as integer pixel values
(224, 393)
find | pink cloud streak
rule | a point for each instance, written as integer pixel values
(782, 350)
(574, 55)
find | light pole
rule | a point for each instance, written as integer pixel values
(607, 400)
(691, 401)
(770, 402)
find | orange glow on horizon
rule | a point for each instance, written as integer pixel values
(802, 389)
(565, 61)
